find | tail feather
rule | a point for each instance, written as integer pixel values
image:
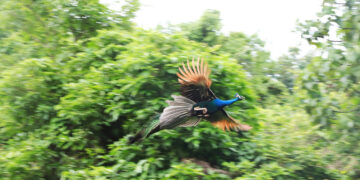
(151, 128)
(137, 137)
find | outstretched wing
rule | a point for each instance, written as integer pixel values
(222, 120)
(178, 114)
(195, 81)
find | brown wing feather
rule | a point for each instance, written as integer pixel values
(223, 121)
(196, 74)
(195, 81)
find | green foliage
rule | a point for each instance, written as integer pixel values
(206, 29)
(27, 158)
(47, 28)
(29, 92)
(294, 148)
(248, 51)
(329, 84)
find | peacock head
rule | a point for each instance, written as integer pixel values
(239, 97)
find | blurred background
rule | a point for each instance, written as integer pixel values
(79, 77)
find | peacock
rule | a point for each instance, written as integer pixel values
(197, 102)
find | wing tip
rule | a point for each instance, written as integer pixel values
(228, 126)
(244, 127)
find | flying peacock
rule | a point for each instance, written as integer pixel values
(197, 102)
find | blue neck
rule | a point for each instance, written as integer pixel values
(222, 103)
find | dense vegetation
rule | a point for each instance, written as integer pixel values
(77, 79)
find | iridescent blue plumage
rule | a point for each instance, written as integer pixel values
(217, 104)
(222, 103)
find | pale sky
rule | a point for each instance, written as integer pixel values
(273, 20)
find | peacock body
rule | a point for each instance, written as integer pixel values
(197, 102)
